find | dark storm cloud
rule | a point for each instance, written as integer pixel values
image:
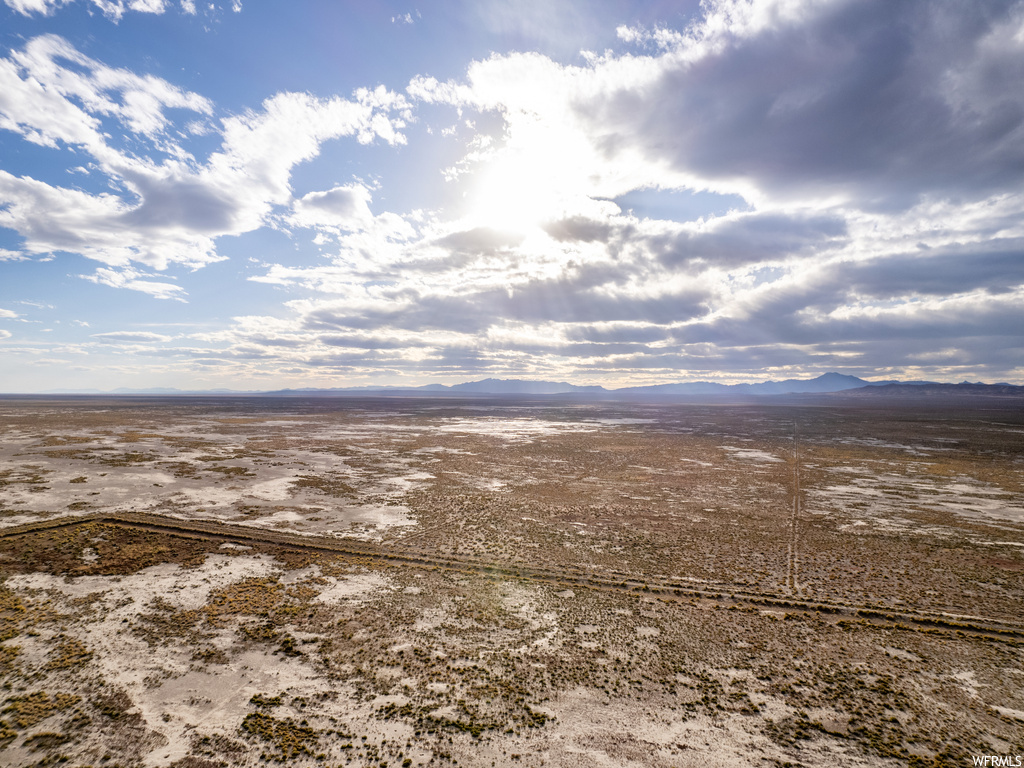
(880, 100)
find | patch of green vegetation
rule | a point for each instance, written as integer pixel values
(126, 459)
(288, 646)
(12, 613)
(288, 739)
(216, 744)
(232, 471)
(119, 551)
(329, 485)
(191, 761)
(46, 740)
(265, 702)
(266, 632)
(31, 476)
(8, 653)
(70, 652)
(181, 469)
(57, 440)
(252, 597)
(28, 710)
(209, 654)
(114, 705)
(167, 623)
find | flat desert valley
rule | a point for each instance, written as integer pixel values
(203, 582)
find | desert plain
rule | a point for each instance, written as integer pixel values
(204, 582)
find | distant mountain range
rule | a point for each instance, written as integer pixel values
(829, 382)
(824, 384)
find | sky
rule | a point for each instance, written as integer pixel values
(246, 195)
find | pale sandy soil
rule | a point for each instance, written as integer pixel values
(177, 699)
(122, 647)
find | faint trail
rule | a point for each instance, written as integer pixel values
(792, 561)
(666, 589)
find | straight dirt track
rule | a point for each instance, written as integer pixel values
(662, 588)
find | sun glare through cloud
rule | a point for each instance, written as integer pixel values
(538, 176)
(765, 189)
(511, 383)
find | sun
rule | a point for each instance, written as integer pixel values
(535, 177)
(512, 193)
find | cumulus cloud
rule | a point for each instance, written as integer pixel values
(6, 313)
(875, 103)
(877, 145)
(872, 103)
(622, 295)
(345, 207)
(876, 148)
(166, 211)
(51, 93)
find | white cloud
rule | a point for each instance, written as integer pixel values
(170, 211)
(6, 313)
(644, 298)
(134, 336)
(757, 99)
(28, 7)
(875, 148)
(743, 101)
(42, 94)
(131, 279)
(346, 207)
(112, 9)
(5, 334)
(147, 6)
(97, 226)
